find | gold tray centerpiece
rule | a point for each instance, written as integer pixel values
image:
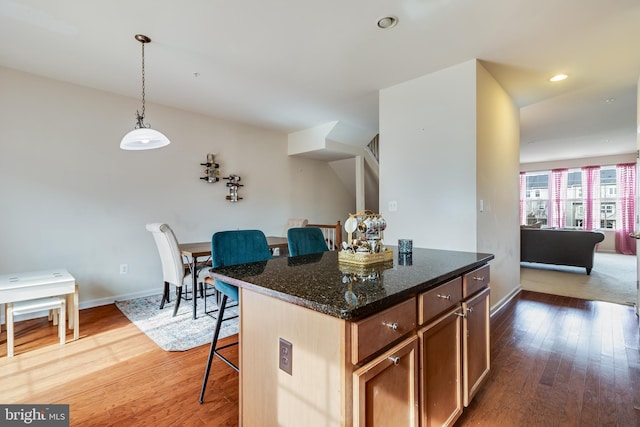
(364, 245)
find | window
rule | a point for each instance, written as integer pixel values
(537, 200)
(574, 209)
(536, 197)
(608, 187)
(607, 209)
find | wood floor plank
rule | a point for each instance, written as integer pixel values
(587, 349)
(556, 361)
(115, 375)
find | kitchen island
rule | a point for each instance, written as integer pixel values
(359, 338)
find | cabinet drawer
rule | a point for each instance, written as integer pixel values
(475, 280)
(438, 300)
(377, 331)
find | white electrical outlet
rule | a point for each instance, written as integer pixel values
(393, 206)
(124, 268)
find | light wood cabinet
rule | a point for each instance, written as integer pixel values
(385, 390)
(454, 349)
(416, 363)
(441, 373)
(373, 333)
(475, 280)
(476, 343)
(440, 299)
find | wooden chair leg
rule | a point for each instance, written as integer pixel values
(212, 349)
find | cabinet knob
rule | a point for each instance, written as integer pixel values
(479, 278)
(447, 297)
(395, 360)
(393, 326)
(470, 309)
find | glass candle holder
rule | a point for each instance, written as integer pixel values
(405, 246)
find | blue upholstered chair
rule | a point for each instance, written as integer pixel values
(306, 240)
(231, 248)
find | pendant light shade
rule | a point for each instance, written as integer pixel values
(143, 137)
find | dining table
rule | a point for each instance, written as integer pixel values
(198, 250)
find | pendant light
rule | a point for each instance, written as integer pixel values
(143, 137)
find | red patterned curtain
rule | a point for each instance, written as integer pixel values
(625, 208)
(558, 198)
(591, 197)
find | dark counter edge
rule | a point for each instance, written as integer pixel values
(359, 312)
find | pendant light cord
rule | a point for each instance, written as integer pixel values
(143, 137)
(143, 100)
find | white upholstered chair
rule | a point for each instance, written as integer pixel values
(294, 223)
(291, 223)
(174, 270)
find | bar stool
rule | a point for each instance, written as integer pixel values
(231, 248)
(306, 240)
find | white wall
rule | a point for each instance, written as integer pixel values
(346, 170)
(447, 140)
(578, 163)
(428, 159)
(71, 198)
(498, 183)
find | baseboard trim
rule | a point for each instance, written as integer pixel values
(88, 304)
(505, 301)
(123, 297)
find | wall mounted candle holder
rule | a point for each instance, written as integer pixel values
(233, 184)
(212, 169)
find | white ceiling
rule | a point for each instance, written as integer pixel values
(295, 64)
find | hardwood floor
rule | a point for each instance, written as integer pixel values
(560, 361)
(556, 361)
(115, 376)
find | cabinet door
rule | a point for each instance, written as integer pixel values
(386, 389)
(441, 369)
(476, 343)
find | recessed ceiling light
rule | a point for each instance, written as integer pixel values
(387, 22)
(558, 78)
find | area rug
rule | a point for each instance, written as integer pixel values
(181, 332)
(613, 279)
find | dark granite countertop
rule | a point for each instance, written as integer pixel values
(321, 283)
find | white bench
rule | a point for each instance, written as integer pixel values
(57, 303)
(41, 284)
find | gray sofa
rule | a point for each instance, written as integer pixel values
(560, 247)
